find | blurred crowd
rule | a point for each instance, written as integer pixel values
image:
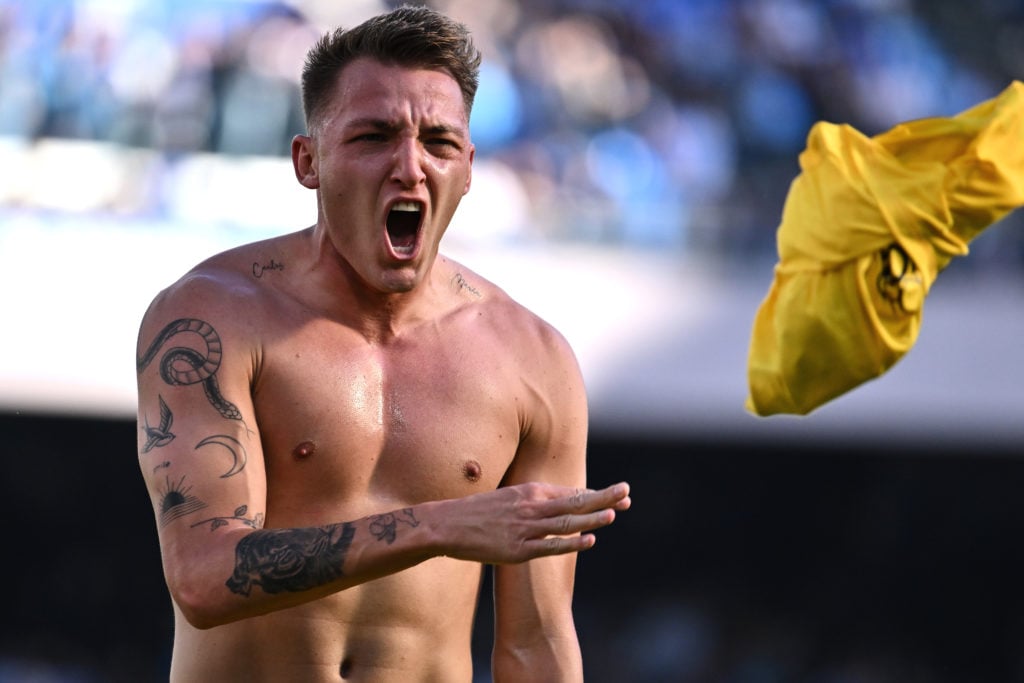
(662, 122)
(658, 123)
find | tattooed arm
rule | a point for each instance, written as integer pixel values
(201, 456)
(200, 451)
(199, 448)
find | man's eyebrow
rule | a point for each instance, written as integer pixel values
(376, 124)
(443, 129)
(385, 125)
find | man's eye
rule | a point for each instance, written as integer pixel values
(369, 137)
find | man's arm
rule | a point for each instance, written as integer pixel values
(202, 460)
(535, 636)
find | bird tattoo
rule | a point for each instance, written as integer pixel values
(162, 435)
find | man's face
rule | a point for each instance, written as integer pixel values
(391, 159)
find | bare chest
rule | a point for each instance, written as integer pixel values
(346, 425)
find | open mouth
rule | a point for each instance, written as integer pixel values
(403, 225)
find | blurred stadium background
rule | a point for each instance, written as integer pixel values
(633, 157)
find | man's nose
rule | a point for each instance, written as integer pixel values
(407, 166)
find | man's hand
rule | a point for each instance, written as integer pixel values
(519, 523)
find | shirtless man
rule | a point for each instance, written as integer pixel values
(339, 427)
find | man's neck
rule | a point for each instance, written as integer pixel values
(377, 315)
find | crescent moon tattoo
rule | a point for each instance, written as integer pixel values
(233, 445)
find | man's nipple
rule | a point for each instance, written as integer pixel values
(304, 450)
(472, 470)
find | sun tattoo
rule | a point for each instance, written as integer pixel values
(176, 501)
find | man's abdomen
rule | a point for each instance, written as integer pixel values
(412, 627)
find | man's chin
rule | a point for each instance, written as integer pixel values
(399, 281)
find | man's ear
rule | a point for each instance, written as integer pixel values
(469, 175)
(304, 161)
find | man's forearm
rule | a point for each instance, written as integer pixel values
(547, 660)
(277, 568)
(295, 560)
(241, 573)
(290, 560)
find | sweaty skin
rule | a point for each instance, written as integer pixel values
(389, 409)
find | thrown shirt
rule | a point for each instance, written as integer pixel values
(866, 228)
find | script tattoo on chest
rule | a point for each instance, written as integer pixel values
(259, 268)
(461, 283)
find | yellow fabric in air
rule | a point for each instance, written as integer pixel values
(866, 228)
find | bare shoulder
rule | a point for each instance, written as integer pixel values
(222, 286)
(512, 324)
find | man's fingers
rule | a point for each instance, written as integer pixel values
(567, 524)
(587, 500)
(618, 495)
(606, 497)
(559, 545)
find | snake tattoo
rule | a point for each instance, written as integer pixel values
(182, 366)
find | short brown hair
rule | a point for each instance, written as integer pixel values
(408, 36)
